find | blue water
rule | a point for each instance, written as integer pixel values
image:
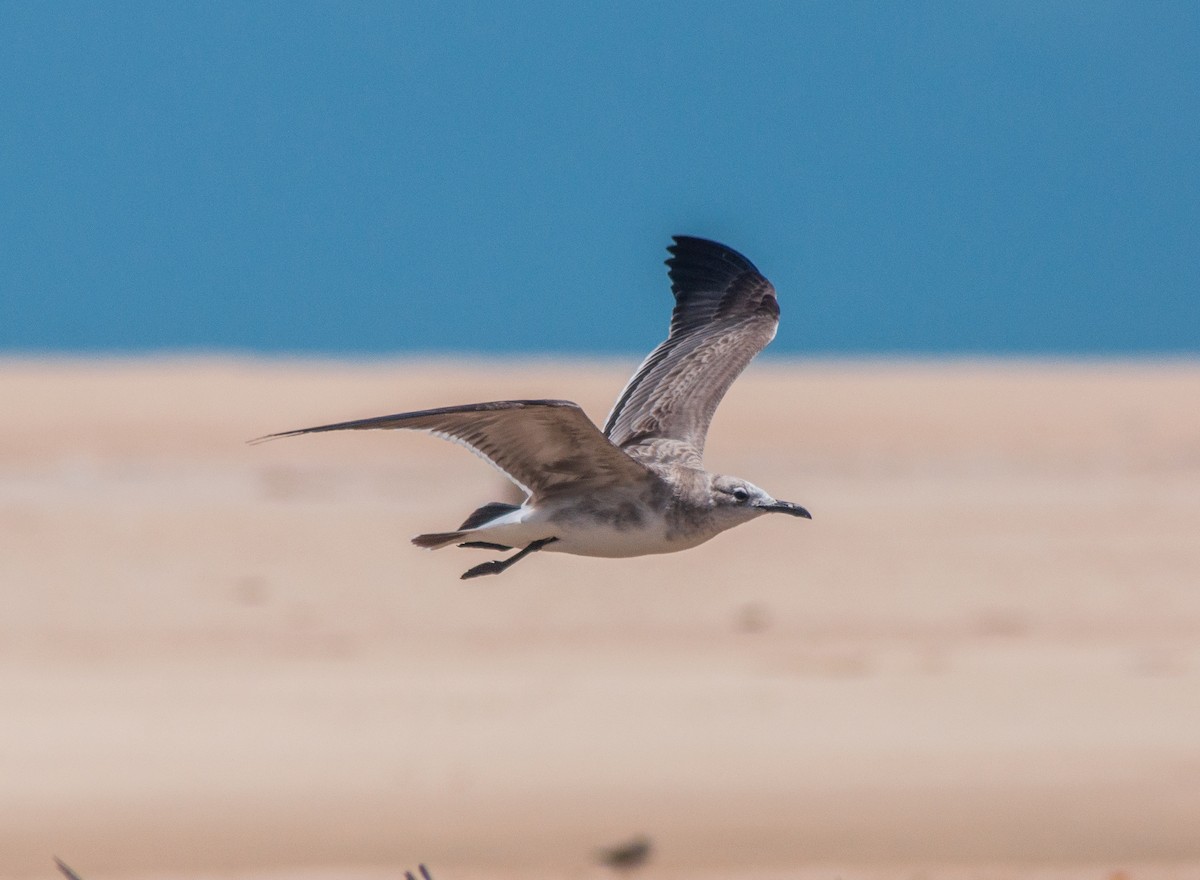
(1008, 177)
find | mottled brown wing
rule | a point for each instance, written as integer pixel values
(544, 446)
(725, 313)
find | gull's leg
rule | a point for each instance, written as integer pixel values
(498, 565)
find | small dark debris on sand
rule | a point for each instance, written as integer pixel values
(66, 869)
(627, 856)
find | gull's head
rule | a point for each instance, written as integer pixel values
(743, 501)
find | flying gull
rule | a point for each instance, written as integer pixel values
(639, 486)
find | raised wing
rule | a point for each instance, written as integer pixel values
(544, 446)
(725, 313)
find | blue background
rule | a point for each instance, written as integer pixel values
(1009, 177)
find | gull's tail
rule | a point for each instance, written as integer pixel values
(481, 517)
(438, 540)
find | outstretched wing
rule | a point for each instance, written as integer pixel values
(725, 313)
(544, 446)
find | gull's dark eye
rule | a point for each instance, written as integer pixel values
(740, 495)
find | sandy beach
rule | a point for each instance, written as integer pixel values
(980, 659)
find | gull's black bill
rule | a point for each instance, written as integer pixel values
(787, 507)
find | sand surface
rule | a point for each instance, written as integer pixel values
(981, 659)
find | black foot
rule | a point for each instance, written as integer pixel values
(498, 565)
(493, 567)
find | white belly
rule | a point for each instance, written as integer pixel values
(585, 536)
(615, 543)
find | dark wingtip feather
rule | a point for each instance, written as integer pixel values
(710, 279)
(699, 264)
(688, 249)
(265, 437)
